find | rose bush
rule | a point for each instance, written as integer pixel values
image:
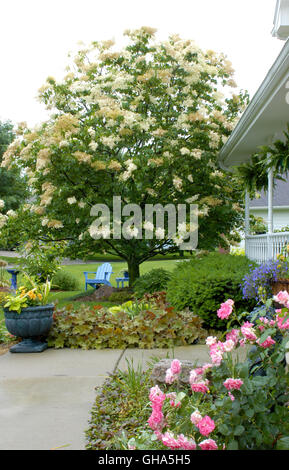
(231, 404)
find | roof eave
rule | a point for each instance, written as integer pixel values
(256, 105)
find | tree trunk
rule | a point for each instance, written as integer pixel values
(133, 270)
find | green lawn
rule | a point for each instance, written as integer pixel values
(76, 270)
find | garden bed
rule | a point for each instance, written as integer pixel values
(104, 293)
(120, 410)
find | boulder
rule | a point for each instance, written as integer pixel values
(158, 373)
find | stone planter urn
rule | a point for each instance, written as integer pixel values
(31, 325)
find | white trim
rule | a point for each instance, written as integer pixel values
(270, 210)
(264, 208)
(281, 20)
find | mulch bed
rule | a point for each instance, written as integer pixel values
(4, 348)
(102, 293)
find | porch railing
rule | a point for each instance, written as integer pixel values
(261, 248)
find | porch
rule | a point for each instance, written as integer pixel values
(262, 248)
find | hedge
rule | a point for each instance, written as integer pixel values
(201, 285)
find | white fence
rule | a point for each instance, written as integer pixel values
(261, 248)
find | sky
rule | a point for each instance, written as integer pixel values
(36, 37)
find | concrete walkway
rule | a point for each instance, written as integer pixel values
(46, 398)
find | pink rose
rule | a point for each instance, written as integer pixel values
(228, 345)
(200, 387)
(156, 420)
(248, 331)
(233, 384)
(206, 425)
(233, 335)
(211, 340)
(267, 343)
(225, 311)
(181, 442)
(157, 396)
(196, 417)
(231, 396)
(176, 367)
(282, 298)
(208, 444)
(282, 322)
(170, 377)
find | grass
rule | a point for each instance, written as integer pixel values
(76, 270)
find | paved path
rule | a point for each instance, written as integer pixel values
(45, 399)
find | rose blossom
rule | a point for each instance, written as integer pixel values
(267, 343)
(226, 309)
(181, 442)
(208, 444)
(216, 353)
(176, 366)
(228, 345)
(206, 425)
(211, 340)
(233, 384)
(157, 396)
(196, 417)
(200, 387)
(248, 331)
(282, 322)
(233, 335)
(282, 298)
(156, 420)
(231, 396)
(170, 377)
(173, 372)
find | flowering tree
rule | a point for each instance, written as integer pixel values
(12, 183)
(144, 123)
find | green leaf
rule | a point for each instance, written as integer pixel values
(283, 443)
(180, 396)
(265, 335)
(249, 412)
(238, 431)
(233, 445)
(224, 429)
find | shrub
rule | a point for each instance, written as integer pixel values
(153, 281)
(203, 284)
(63, 280)
(99, 328)
(228, 404)
(121, 296)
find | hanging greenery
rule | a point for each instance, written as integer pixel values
(255, 173)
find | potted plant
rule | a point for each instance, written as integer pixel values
(282, 282)
(29, 316)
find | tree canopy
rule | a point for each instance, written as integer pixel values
(144, 123)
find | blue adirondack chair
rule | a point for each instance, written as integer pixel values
(102, 276)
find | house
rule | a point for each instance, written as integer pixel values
(259, 206)
(263, 122)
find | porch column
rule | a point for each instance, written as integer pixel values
(247, 219)
(270, 213)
